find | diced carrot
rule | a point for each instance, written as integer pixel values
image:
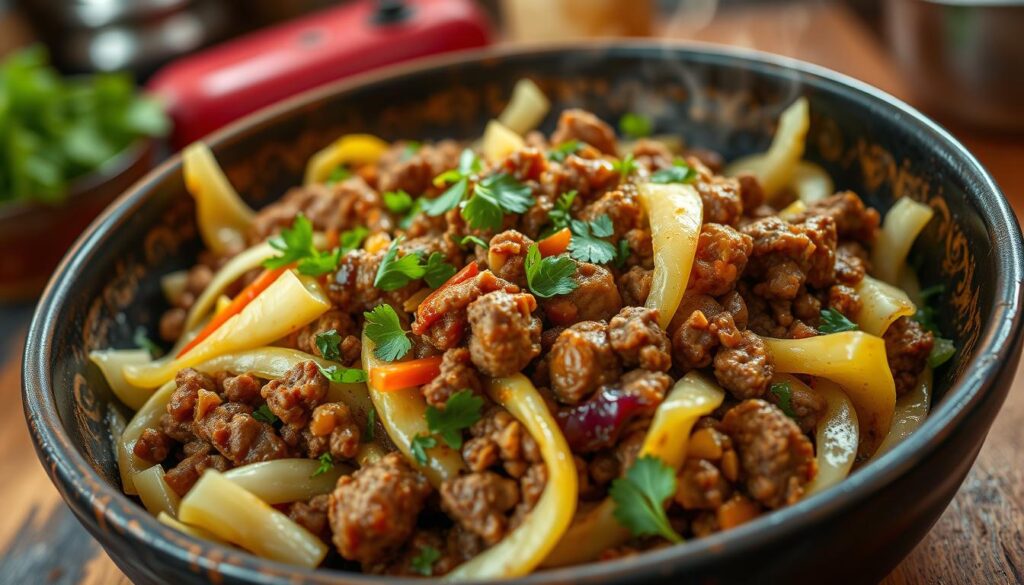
(425, 317)
(556, 243)
(736, 511)
(245, 297)
(400, 375)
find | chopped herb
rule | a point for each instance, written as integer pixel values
(563, 150)
(296, 246)
(338, 175)
(385, 330)
(328, 343)
(411, 148)
(394, 272)
(398, 201)
(469, 166)
(371, 425)
(832, 321)
(587, 245)
(438, 271)
(931, 292)
(419, 446)
(560, 215)
(784, 394)
(549, 276)
(679, 172)
(460, 412)
(423, 563)
(625, 167)
(326, 464)
(635, 125)
(343, 375)
(640, 497)
(622, 253)
(263, 414)
(471, 239)
(352, 239)
(492, 198)
(942, 352)
(406, 222)
(142, 341)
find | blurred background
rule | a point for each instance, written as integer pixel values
(94, 93)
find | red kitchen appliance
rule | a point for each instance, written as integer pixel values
(209, 89)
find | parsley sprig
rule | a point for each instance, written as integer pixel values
(437, 270)
(474, 240)
(326, 464)
(485, 201)
(547, 277)
(587, 244)
(560, 215)
(296, 246)
(329, 344)
(264, 414)
(461, 410)
(943, 350)
(832, 321)
(625, 167)
(395, 272)
(563, 150)
(343, 375)
(679, 172)
(784, 394)
(635, 125)
(640, 497)
(419, 446)
(398, 201)
(385, 330)
(423, 563)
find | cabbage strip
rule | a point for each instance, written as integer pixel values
(286, 480)
(350, 149)
(224, 219)
(776, 167)
(881, 304)
(676, 213)
(911, 410)
(902, 224)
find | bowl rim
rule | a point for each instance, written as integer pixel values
(92, 499)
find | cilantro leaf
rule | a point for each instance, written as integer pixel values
(320, 263)
(471, 239)
(460, 412)
(493, 197)
(423, 563)
(832, 321)
(263, 414)
(635, 125)
(326, 464)
(394, 272)
(419, 446)
(352, 239)
(640, 496)
(679, 172)
(328, 343)
(625, 167)
(343, 375)
(437, 270)
(385, 330)
(411, 148)
(586, 244)
(622, 252)
(560, 215)
(142, 341)
(338, 175)
(371, 425)
(296, 246)
(547, 277)
(398, 201)
(942, 352)
(563, 150)
(784, 394)
(447, 200)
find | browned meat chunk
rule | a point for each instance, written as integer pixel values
(332, 429)
(340, 207)
(635, 286)
(852, 219)
(581, 125)
(506, 335)
(751, 191)
(403, 168)
(198, 459)
(581, 360)
(452, 303)
(844, 299)
(721, 257)
(457, 374)
(721, 197)
(183, 400)
(907, 346)
(596, 298)
(851, 263)
(701, 486)
(312, 515)
(293, 397)
(637, 339)
(499, 438)
(172, 324)
(698, 328)
(777, 459)
(352, 286)
(786, 255)
(506, 255)
(234, 432)
(745, 369)
(588, 177)
(244, 389)
(479, 502)
(374, 511)
(153, 445)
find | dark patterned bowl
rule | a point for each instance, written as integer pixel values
(721, 99)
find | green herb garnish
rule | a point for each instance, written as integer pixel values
(326, 464)
(560, 215)
(625, 167)
(264, 415)
(563, 150)
(679, 172)
(492, 198)
(784, 394)
(469, 166)
(339, 174)
(423, 563)
(371, 425)
(329, 343)
(142, 341)
(635, 125)
(461, 410)
(419, 446)
(475, 241)
(547, 277)
(398, 201)
(385, 330)
(587, 244)
(438, 271)
(622, 252)
(394, 272)
(343, 375)
(640, 497)
(352, 239)
(832, 321)
(943, 349)
(296, 246)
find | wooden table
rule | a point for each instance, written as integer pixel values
(978, 540)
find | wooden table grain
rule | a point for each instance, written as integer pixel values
(979, 539)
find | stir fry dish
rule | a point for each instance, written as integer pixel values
(487, 358)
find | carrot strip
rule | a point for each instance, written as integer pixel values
(426, 315)
(245, 297)
(400, 375)
(556, 243)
